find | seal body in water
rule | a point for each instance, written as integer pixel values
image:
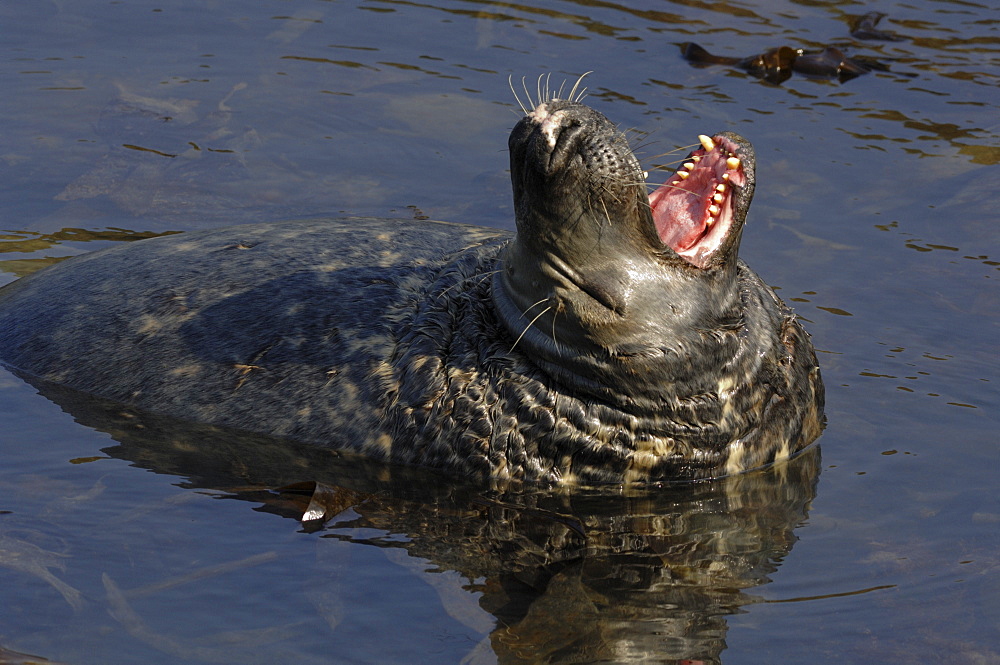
(616, 337)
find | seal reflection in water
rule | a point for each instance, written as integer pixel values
(545, 575)
(616, 337)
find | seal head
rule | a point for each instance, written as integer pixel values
(615, 292)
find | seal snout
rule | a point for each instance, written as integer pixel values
(556, 131)
(549, 122)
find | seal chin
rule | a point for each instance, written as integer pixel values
(700, 209)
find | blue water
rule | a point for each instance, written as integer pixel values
(125, 540)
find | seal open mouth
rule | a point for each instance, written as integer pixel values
(693, 209)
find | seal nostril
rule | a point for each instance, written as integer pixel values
(565, 143)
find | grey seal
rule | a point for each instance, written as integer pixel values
(615, 338)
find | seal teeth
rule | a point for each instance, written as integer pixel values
(684, 174)
(706, 142)
(720, 188)
(689, 166)
(714, 210)
(718, 198)
(733, 163)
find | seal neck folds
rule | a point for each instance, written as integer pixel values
(604, 287)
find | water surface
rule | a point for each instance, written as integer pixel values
(128, 538)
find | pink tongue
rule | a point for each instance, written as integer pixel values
(679, 213)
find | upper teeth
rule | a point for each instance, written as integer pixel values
(718, 194)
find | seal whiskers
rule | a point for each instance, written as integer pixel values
(510, 82)
(545, 93)
(531, 323)
(478, 279)
(573, 96)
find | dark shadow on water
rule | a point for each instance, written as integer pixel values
(579, 575)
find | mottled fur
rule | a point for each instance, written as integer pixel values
(265, 328)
